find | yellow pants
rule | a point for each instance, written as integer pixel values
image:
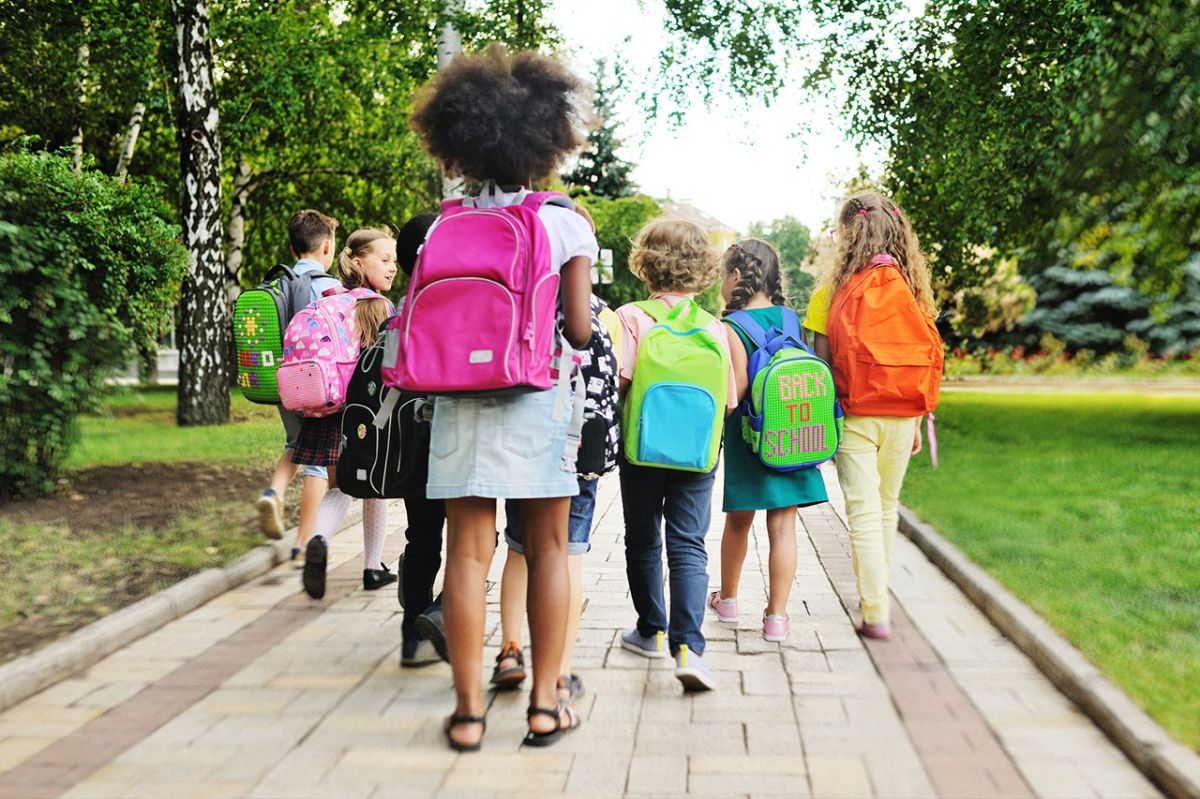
(871, 462)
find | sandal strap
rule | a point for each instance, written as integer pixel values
(456, 720)
(542, 711)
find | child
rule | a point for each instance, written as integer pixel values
(423, 551)
(310, 236)
(368, 260)
(753, 283)
(505, 121)
(875, 242)
(599, 371)
(675, 260)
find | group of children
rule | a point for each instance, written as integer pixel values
(504, 122)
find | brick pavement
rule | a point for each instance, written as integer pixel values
(262, 693)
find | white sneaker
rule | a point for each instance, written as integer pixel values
(692, 671)
(270, 514)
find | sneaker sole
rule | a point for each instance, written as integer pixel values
(433, 634)
(637, 650)
(269, 521)
(775, 639)
(695, 681)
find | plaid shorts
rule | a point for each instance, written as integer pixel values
(318, 442)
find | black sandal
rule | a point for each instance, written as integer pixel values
(511, 678)
(547, 738)
(456, 720)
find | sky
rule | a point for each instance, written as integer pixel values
(740, 162)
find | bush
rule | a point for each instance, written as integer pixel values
(89, 270)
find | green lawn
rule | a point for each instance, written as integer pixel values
(1088, 508)
(138, 426)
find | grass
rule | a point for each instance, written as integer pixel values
(145, 504)
(138, 426)
(1087, 507)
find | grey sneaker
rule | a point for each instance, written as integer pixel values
(432, 628)
(692, 671)
(647, 646)
(416, 652)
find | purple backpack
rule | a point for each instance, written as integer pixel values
(479, 316)
(320, 347)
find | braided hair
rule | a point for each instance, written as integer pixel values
(758, 263)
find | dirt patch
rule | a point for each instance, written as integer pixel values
(90, 572)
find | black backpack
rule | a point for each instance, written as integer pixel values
(384, 451)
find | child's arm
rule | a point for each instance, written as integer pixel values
(577, 301)
(916, 447)
(737, 354)
(821, 346)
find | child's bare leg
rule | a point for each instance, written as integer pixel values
(544, 523)
(470, 545)
(513, 589)
(285, 470)
(733, 550)
(575, 576)
(781, 567)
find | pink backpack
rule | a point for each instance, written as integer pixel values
(479, 317)
(320, 347)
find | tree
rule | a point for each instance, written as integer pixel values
(203, 309)
(793, 240)
(617, 222)
(89, 269)
(1084, 309)
(599, 169)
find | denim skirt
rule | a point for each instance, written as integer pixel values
(500, 447)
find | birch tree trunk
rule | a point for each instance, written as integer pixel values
(243, 186)
(204, 310)
(132, 131)
(83, 57)
(449, 45)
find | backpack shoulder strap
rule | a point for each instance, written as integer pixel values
(745, 322)
(654, 309)
(452, 203)
(791, 324)
(280, 269)
(536, 199)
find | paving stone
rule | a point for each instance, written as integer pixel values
(657, 773)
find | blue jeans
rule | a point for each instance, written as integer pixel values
(684, 500)
(579, 524)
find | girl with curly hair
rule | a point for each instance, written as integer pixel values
(674, 259)
(753, 282)
(876, 241)
(505, 121)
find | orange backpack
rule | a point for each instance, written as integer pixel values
(887, 354)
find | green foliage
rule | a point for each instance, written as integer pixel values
(793, 240)
(617, 222)
(1084, 506)
(88, 272)
(1084, 309)
(1175, 329)
(599, 169)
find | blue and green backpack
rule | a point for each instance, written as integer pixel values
(675, 406)
(791, 418)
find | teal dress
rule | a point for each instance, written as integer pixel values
(749, 485)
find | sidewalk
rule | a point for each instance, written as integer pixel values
(265, 693)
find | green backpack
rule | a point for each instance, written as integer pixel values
(260, 316)
(790, 417)
(675, 410)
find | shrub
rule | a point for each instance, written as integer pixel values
(89, 269)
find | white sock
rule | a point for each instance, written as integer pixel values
(330, 513)
(374, 532)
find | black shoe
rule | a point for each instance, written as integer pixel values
(417, 652)
(374, 579)
(433, 629)
(315, 555)
(400, 581)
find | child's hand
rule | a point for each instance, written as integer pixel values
(917, 437)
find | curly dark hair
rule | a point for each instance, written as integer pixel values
(511, 118)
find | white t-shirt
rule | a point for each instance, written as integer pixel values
(570, 234)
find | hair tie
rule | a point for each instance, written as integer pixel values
(862, 211)
(896, 212)
(735, 246)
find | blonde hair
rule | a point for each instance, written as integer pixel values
(370, 313)
(674, 255)
(870, 224)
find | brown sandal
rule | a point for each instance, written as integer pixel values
(512, 677)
